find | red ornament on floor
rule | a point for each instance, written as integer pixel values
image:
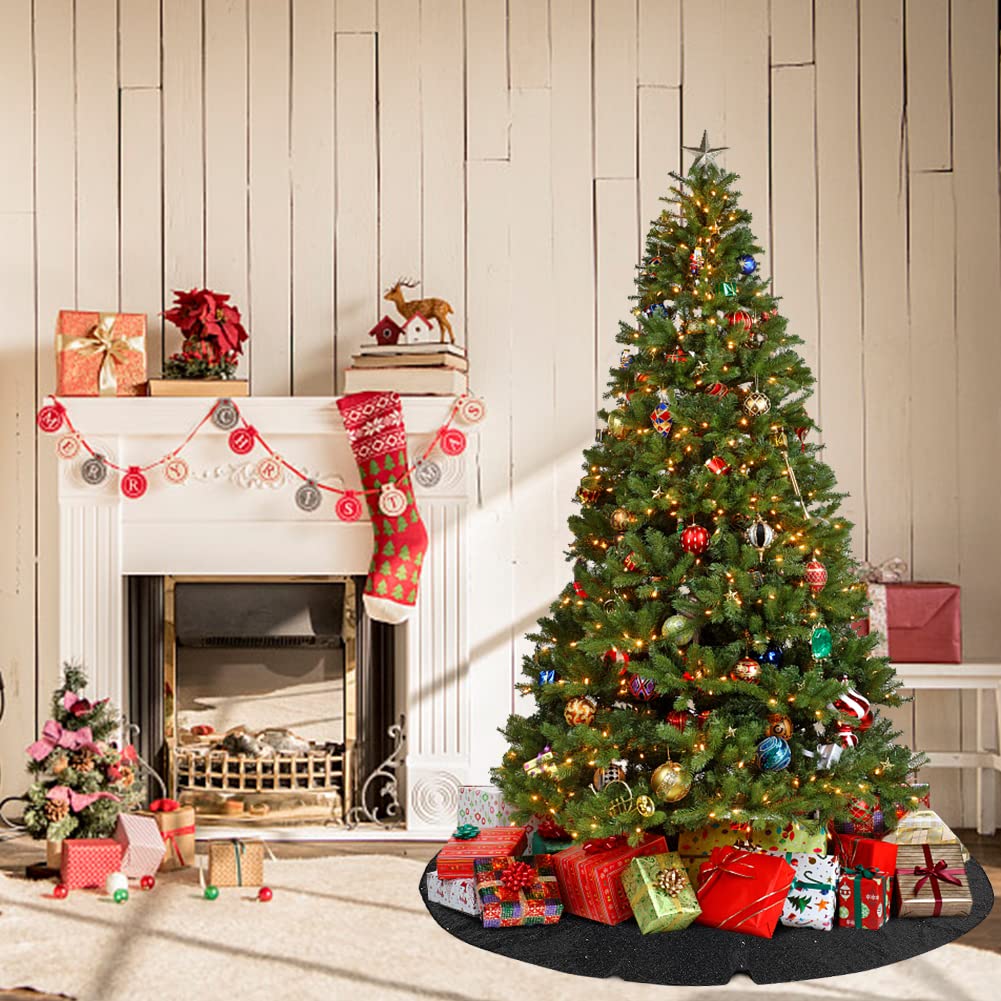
(147, 882)
(60, 891)
(264, 894)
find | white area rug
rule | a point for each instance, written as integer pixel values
(349, 929)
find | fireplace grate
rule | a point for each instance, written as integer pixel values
(268, 642)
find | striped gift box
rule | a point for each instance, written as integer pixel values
(455, 860)
(539, 903)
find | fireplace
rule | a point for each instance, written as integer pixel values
(264, 700)
(225, 524)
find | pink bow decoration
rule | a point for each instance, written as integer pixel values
(55, 735)
(79, 707)
(77, 800)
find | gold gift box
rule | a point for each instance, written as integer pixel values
(931, 881)
(236, 863)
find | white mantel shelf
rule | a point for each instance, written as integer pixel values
(225, 521)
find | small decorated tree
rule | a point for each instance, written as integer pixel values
(82, 779)
(213, 336)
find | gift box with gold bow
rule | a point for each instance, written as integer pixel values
(517, 891)
(931, 881)
(660, 893)
(100, 354)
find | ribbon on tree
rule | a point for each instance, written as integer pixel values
(80, 707)
(933, 872)
(595, 846)
(77, 801)
(105, 340)
(519, 876)
(54, 735)
(466, 832)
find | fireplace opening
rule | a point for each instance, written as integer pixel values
(261, 701)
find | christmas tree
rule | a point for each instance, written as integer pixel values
(82, 780)
(701, 664)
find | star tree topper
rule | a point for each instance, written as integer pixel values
(704, 152)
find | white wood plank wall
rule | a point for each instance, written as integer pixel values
(301, 154)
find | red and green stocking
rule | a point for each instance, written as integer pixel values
(374, 423)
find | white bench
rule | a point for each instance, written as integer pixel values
(984, 677)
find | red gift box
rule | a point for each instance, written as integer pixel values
(590, 877)
(920, 619)
(455, 860)
(864, 898)
(743, 891)
(87, 862)
(100, 354)
(869, 853)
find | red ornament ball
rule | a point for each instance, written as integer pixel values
(147, 882)
(815, 575)
(695, 539)
(740, 318)
(679, 719)
(264, 894)
(616, 656)
(847, 736)
(60, 891)
(866, 721)
(746, 669)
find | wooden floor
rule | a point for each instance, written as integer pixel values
(15, 854)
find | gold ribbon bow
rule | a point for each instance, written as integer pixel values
(103, 339)
(671, 881)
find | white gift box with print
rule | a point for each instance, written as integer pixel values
(142, 843)
(458, 894)
(812, 899)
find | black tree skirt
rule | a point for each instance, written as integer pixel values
(707, 956)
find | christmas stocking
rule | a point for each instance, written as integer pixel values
(374, 422)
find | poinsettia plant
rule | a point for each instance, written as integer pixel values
(213, 335)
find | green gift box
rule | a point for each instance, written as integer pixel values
(547, 846)
(660, 902)
(696, 846)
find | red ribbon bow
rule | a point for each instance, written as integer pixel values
(596, 845)
(940, 870)
(164, 806)
(551, 831)
(518, 876)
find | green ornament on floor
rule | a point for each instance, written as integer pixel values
(121, 896)
(211, 892)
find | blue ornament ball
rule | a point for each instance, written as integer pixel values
(773, 754)
(772, 656)
(747, 264)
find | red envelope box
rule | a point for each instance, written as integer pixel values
(590, 877)
(921, 621)
(743, 891)
(868, 853)
(87, 862)
(455, 860)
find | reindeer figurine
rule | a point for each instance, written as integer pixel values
(430, 309)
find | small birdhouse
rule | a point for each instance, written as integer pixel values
(386, 331)
(417, 330)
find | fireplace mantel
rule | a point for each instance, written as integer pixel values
(226, 521)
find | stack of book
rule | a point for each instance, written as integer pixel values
(425, 369)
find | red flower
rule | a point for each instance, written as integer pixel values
(212, 329)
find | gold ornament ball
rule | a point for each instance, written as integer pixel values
(610, 773)
(670, 782)
(617, 424)
(747, 669)
(756, 404)
(645, 806)
(579, 710)
(778, 726)
(620, 519)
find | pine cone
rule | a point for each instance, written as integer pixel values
(126, 777)
(82, 761)
(60, 765)
(55, 810)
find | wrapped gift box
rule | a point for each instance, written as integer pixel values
(924, 827)
(854, 850)
(547, 846)
(864, 898)
(142, 845)
(455, 860)
(864, 818)
(695, 847)
(236, 863)
(456, 894)
(743, 891)
(517, 891)
(919, 622)
(660, 902)
(100, 354)
(813, 897)
(915, 802)
(87, 862)
(484, 806)
(931, 881)
(589, 875)
(177, 828)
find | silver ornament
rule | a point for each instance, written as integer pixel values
(307, 497)
(225, 416)
(428, 473)
(94, 471)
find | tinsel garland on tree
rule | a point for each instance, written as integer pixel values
(701, 664)
(83, 777)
